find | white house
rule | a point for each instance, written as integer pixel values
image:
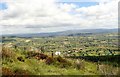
(57, 53)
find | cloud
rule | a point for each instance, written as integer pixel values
(102, 15)
(30, 16)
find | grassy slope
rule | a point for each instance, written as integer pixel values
(38, 67)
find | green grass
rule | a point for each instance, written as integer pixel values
(38, 67)
(63, 44)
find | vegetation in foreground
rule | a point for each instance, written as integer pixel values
(17, 63)
(30, 56)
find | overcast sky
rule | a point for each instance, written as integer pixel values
(35, 16)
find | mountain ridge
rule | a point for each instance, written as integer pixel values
(65, 33)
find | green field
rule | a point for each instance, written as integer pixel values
(80, 55)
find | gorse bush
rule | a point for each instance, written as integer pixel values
(36, 55)
(61, 60)
(41, 56)
(63, 63)
(58, 61)
(7, 71)
(7, 53)
(49, 60)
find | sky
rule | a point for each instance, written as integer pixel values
(38, 16)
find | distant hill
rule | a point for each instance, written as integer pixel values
(66, 33)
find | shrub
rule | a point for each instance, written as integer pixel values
(79, 65)
(49, 60)
(21, 72)
(42, 56)
(7, 53)
(36, 55)
(106, 69)
(30, 54)
(61, 60)
(7, 60)
(63, 63)
(20, 59)
(7, 71)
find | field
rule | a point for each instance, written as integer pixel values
(94, 54)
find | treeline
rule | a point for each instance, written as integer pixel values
(112, 59)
